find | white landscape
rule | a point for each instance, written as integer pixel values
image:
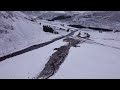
(27, 50)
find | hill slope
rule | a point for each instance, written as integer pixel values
(17, 32)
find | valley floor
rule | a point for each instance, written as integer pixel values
(89, 61)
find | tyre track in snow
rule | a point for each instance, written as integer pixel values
(33, 47)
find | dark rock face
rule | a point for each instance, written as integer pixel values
(93, 28)
(60, 17)
(3, 32)
(78, 26)
(48, 29)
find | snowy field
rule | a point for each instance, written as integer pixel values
(90, 61)
(97, 58)
(27, 65)
(25, 34)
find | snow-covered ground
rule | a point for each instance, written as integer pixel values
(90, 61)
(98, 58)
(29, 64)
(25, 33)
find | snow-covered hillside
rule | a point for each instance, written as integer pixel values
(44, 14)
(105, 19)
(81, 57)
(17, 32)
(90, 61)
(101, 19)
(93, 61)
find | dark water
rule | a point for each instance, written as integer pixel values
(93, 28)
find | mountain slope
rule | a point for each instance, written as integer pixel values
(17, 32)
(98, 19)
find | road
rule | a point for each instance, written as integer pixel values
(33, 47)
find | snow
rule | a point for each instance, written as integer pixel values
(26, 33)
(29, 64)
(59, 11)
(89, 61)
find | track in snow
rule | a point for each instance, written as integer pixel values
(57, 58)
